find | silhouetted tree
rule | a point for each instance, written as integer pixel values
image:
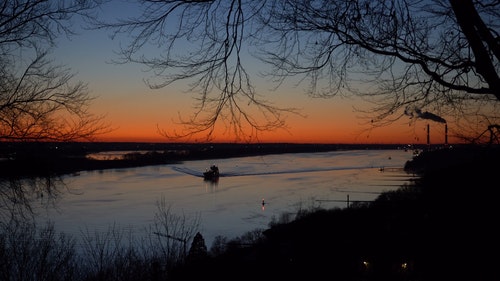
(172, 234)
(198, 250)
(38, 99)
(413, 58)
(28, 252)
(218, 245)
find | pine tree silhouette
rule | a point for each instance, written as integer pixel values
(198, 250)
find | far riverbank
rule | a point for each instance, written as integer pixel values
(50, 159)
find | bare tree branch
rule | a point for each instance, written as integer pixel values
(202, 42)
(402, 55)
(41, 103)
(40, 100)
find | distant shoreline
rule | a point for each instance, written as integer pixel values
(55, 159)
(79, 148)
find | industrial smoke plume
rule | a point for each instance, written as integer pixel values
(416, 112)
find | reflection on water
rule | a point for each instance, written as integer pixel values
(22, 198)
(251, 191)
(114, 155)
(211, 185)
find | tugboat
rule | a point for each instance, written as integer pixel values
(212, 173)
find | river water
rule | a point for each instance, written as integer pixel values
(286, 183)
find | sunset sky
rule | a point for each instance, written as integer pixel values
(135, 112)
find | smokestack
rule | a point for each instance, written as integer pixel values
(428, 135)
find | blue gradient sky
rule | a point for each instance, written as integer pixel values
(135, 111)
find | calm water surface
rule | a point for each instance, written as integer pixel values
(127, 198)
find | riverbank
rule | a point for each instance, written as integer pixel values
(442, 227)
(52, 159)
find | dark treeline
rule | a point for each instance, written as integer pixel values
(78, 148)
(47, 158)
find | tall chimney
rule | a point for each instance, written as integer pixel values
(428, 135)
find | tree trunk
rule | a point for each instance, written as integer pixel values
(477, 34)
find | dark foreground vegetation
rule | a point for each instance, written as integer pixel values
(443, 226)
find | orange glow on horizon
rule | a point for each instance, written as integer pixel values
(305, 134)
(139, 117)
(137, 112)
